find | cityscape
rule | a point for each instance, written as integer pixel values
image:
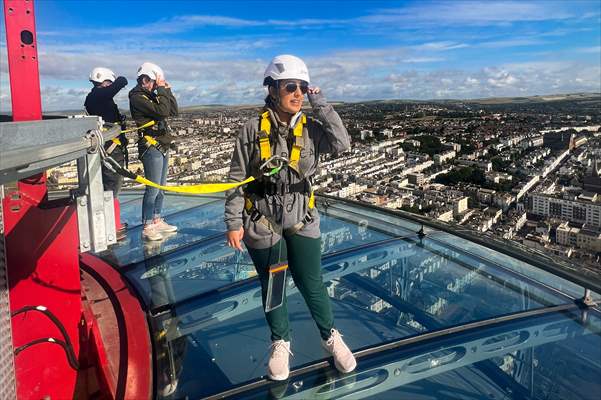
(448, 248)
(523, 169)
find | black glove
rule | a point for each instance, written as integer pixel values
(165, 139)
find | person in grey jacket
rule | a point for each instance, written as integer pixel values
(275, 216)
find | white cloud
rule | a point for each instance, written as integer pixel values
(413, 60)
(227, 70)
(503, 79)
(591, 50)
(349, 76)
(440, 46)
(476, 13)
(518, 42)
(422, 14)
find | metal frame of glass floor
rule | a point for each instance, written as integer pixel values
(431, 312)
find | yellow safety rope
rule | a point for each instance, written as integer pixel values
(146, 125)
(203, 188)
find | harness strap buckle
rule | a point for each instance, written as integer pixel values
(272, 162)
(112, 146)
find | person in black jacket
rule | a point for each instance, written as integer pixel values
(152, 100)
(100, 102)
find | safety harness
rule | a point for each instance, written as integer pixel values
(262, 188)
(153, 139)
(265, 143)
(115, 142)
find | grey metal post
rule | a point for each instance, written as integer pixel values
(96, 218)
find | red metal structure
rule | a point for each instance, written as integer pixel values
(41, 239)
(43, 268)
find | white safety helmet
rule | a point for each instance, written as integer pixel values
(286, 67)
(101, 74)
(151, 70)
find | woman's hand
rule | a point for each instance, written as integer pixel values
(234, 238)
(315, 96)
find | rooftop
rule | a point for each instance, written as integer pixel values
(431, 312)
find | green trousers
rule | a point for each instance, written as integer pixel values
(304, 264)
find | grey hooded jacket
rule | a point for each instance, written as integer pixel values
(326, 134)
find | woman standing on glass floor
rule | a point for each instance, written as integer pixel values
(274, 215)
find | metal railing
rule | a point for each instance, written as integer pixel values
(30, 147)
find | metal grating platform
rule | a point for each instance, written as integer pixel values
(7, 367)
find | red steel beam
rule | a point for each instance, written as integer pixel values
(22, 51)
(21, 46)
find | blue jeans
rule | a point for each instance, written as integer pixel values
(155, 169)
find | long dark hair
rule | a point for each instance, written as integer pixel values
(269, 100)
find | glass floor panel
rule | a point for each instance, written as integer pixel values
(385, 293)
(385, 281)
(555, 357)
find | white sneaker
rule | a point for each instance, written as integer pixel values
(278, 367)
(162, 226)
(343, 357)
(150, 232)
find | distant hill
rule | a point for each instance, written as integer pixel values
(490, 101)
(537, 99)
(493, 100)
(206, 107)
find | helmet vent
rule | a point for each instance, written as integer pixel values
(280, 67)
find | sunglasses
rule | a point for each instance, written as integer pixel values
(292, 86)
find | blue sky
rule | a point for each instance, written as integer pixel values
(215, 52)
